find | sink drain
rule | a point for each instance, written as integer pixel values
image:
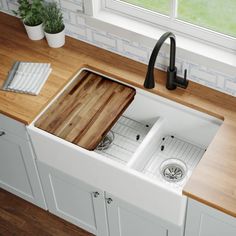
(106, 142)
(173, 170)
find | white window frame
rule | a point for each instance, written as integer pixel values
(171, 23)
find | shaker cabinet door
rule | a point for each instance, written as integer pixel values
(74, 200)
(18, 172)
(126, 220)
(203, 220)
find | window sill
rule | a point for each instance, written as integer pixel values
(190, 50)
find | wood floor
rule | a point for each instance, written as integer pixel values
(18, 217)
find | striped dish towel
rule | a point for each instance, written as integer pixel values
(27, 77)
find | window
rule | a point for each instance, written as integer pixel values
(213, 21)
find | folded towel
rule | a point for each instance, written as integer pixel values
(27, 77)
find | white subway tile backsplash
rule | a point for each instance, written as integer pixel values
(230, 85)
(80, 2)
(72, 6)
(120, 45)
(4, 5)
(104, 40)
(204, 75)
(12, 6)
(89, 35)
(76, 27)
(66, 16)
(135, 52)
(220, 82)
(203, 82)
(80, 20)
(76, 31)
(73, 18)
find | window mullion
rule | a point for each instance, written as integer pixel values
(174, 9)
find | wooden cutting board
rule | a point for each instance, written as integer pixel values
(86, 110)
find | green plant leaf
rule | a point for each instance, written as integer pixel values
(52, 18)
(30, 11)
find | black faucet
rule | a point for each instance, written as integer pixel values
(172, 80)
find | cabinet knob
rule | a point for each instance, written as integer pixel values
(2, 133)
(109, 200)
(96, 194)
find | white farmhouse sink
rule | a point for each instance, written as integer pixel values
(130, 179)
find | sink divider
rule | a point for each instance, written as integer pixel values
(144, 152)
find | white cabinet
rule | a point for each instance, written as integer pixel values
(18, 172)
(95, 210)
(127, 220)
(203, 220)
(73, 200)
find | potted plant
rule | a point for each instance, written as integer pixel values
(53, 25)
(31, 14)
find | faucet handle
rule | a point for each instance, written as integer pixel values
(182, 82)
(185, 81)
(185, 74)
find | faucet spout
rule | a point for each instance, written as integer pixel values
(172, 81)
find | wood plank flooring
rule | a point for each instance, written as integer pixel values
(20, 218)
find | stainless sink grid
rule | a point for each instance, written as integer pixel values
(173, 148)
(128, 135)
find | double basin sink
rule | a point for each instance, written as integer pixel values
(146, 158)
(160, 138)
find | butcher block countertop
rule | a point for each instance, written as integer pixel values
(213, 181)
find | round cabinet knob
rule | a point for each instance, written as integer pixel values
(2, 133)
(96, 194)
(109, 200)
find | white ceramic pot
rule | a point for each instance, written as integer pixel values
(35, 32)
(56, 40)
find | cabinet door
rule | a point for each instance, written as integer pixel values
(18, 172)
(74, 200)
(203, 220)
(127, 220)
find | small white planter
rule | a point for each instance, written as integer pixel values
(56, 40)
(35, 32)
